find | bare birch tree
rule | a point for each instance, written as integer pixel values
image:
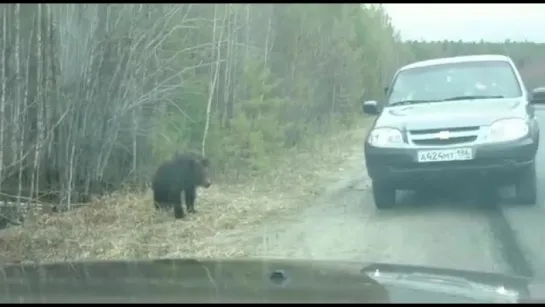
(214, 79)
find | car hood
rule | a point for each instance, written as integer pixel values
(450, 114)
(250, 280)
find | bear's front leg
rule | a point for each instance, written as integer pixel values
(190, 196)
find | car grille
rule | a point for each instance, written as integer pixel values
(431, 137)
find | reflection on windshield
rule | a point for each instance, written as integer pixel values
(471, 79)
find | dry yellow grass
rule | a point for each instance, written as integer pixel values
(128, 226)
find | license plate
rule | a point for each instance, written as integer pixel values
(456, 154)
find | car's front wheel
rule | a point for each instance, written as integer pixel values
(526, 186)
(384, 195)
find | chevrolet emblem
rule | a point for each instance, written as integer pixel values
(443, 135)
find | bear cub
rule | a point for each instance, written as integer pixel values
(183, 173)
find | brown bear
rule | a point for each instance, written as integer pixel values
(184, 172)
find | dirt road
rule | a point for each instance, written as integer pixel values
(345, 225)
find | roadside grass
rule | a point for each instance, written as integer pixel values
(127, 226)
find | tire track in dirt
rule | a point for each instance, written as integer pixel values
(510, 246)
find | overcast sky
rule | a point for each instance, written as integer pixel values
(469, 22)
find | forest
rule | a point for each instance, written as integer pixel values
(94, 96)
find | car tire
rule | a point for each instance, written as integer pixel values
(384, 195)
(526, 187)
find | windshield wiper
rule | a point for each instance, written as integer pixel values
(472, 97)
(407, 102)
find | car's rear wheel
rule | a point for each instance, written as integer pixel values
(384, 195)
(526, 187)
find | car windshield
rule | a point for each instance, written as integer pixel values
(234, 130)
(447, 81)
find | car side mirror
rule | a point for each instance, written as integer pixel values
(537, 96)
(370, 107)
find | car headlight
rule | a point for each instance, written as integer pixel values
(508, 130)
(385, 137)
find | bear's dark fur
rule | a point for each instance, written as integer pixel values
(184, 172)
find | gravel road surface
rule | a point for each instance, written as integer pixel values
(345, 225)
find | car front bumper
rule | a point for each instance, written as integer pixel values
(500, 162)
